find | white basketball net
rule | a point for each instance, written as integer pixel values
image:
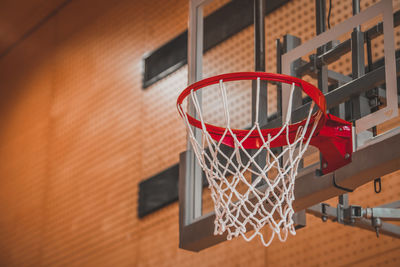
(241, 208)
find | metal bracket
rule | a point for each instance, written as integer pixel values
(324, 216)
(371, 219)
(335, 144)
(348, 215)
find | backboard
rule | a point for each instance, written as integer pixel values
(353, 62)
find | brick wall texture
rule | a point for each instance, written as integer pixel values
(78, 134)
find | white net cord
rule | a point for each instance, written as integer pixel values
(242, 208)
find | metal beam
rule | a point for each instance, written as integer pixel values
(389, 214)
(320, 19)
(360, 104)
(195, 69)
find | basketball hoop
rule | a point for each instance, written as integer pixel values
(238, 210)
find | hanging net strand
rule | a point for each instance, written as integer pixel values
(240, 207)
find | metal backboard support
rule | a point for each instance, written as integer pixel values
(374, 156)
(391, 110)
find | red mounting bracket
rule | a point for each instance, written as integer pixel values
(335, 142)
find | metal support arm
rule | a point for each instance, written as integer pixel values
(361, 218)
(382, 213)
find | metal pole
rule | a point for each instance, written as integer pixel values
(290, 42)
(194, 183)
(259, 61)
(356, 10)
(320, 16)
(322, 71)
(259, 35)
(279, 70)
(360, 106)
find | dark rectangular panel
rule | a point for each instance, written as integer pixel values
(218, 26)
(158, 191)
(226, 22)
(165, 60)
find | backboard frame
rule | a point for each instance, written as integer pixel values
(385, 8)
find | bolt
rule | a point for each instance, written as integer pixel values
(318, 172)
(325, 165)
(324, 218)
(377, 223)
(377, 231)
(347, 155)
(340, 129)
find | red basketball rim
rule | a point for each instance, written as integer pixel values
(254, 140)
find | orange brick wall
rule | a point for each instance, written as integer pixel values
(77, 135)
